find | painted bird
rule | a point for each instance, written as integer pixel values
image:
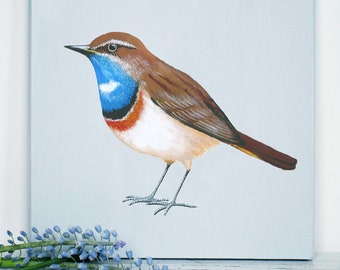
(161, 111)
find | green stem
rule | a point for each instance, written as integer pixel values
(12, 248)
(31, 264)
(41, 264)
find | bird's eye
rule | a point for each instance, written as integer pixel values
(112, 47)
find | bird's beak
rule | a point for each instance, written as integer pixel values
(83, 49)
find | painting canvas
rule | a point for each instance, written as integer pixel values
(256, 61)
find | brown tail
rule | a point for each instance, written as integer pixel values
(265, 153)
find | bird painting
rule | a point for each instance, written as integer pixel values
(161, 111)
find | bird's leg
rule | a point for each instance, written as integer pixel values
(150, 198)
(167, 205)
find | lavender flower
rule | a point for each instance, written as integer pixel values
(73, 248)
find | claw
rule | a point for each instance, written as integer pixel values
(168, 205)
(165, 204)
(148, 200)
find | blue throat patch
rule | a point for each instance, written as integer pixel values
(117, 90)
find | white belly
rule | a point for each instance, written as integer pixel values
(158, 134)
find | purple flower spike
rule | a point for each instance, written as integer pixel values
(82, 246)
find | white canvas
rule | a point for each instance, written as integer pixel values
(255, 58)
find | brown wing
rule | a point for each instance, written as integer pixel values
(185, 100)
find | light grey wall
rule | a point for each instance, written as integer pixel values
(14, 118)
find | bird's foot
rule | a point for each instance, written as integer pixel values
(166, 206)
(147, 199)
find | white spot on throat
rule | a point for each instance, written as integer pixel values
(109, 86)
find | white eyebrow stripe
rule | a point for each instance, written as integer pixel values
(118, 42)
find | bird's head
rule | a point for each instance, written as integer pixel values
(117, 51)
(119, 61)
